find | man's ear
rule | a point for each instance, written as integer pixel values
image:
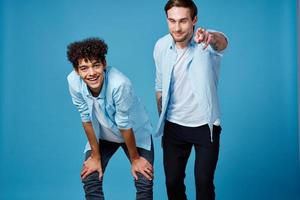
(195, 20)
(104, 64)
(76, 70)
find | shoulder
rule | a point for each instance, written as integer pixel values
(163, 42)
(116, 79)
(74, 80)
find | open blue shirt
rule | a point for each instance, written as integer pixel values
(121, 107)
(203, 67)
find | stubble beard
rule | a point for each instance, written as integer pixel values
(184, 38)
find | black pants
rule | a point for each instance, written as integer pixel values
(177, 143)
(93, 187)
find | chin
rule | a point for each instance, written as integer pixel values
(179, 39)
(94, 87)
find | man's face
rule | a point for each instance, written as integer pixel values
(180, 24)
(92, 73)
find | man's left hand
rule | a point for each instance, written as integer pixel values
(142, 166)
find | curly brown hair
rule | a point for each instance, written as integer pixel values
(90, 48)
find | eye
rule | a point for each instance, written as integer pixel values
(172, 21)
(83, 68)
(184, 21)
(97, 65)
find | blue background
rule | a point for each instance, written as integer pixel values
(41, 138)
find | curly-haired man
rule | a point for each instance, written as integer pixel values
(112, 117)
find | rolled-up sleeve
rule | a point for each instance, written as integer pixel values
(123, 99)
(218, 53)
(80, 104)
(158, 74)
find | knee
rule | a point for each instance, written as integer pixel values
(172, 182)
(92, 186)
(91, 178)
(204, 182)
(143, 184)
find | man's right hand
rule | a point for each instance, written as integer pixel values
(91, 165)
(159, 102)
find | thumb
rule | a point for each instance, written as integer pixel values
(100, 174)
(134, 175)
(200, 33)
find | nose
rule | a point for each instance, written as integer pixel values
(91, 71)
(177, 27)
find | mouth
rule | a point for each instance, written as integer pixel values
(177, 34)
(93, 80)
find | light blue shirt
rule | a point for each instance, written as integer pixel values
(183, 107)
(203, 68)
(121, 107)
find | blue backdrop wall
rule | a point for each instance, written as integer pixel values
(41, 138)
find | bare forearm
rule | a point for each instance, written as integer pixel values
(219, 42)
(130, 143)
(88, 128)
(159, 102)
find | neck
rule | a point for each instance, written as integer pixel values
(96, 92)
(181, 45)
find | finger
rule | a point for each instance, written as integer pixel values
(149, 166)
(201, 34)
(200, 30)
(88, 172)
(206, 43)
(149, 172)
(205, 46)
(146, 175)
(84, 174)
(134, 175)
(205, 36)
(201, 38)
(146, 164)
(209, 39)
(100, 174)
(83, 171)
(196, 37)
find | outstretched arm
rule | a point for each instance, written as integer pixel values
(215, 39)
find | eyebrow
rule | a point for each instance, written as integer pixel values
(94, 63)
(181, 19)
(82, 66)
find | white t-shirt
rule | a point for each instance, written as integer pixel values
(106, 132)
(183, 107)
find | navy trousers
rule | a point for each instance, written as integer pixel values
(93, 186)
(177, 143)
